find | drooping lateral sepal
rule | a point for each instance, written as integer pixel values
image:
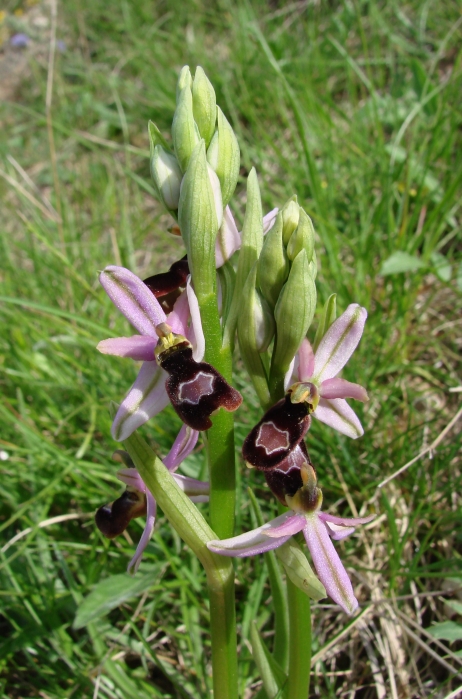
(277, 434)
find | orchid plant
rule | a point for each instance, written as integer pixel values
(259, 286)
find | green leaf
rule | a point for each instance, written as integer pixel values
(274, 678)
(400, 262)
(454, 604)
(442, 266)
(446, 630)
(112, 592)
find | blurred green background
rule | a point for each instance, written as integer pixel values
(355, 106)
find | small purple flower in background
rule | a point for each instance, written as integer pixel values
(20, 41)
(61, 46)
(321, 369)
(318, 529)
(137, 500)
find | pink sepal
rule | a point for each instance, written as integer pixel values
(269, 219)
(133, 298)
(253, 542)
(197, 338)
(339, 343)
(146, 398)
(337, 414)
(132, 478)
(291, 526)
(228, 239)
(328, 565)
(183, 445)
(151, 508)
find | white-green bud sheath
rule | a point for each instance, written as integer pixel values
(185, 133)
(290, 217)
(252, 242)
(204, 105)
(273, 264)
(156, 138)
(184, 80)
(329, 314)
(197, 216)
(293, 314)
(255, 330)
(224, 156)
(302, 238)
(167, 176)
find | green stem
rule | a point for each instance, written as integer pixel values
(195, 532)
(299, 643)
(220, 437)
(224, 639)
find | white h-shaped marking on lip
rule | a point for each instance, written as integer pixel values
(280, 438)
(193, 390)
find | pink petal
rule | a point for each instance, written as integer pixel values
(339, 343)
(339, 388)
(328, 565)
(337, 414)
(181, 448)
(138, 347)
(268, 220)
(133, 299)
(253, 542)
(151, 508)
(291, 526)
(198, 339)
(146, 398)
(198, 491)
(178, 318)
(305, 361)
(228, 239)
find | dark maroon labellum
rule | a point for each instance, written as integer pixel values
(113, 519)
(196, 389)
(277, 434)
(167, 286)
(285, 478)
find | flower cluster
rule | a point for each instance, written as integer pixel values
(268, 300)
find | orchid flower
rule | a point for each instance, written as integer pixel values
(137, 500)
(229, 238)
(318, 529)
(321, 369)
(148, 396)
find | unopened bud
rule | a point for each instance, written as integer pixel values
(223, 155)
(293, 313)
(302, 238)
(204, 105)
(197, 216)
(185, 133)
(184, 80)
(273, 265)
(290, 217)
(299, 570)
(167, 176)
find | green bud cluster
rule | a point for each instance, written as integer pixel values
(283, 291)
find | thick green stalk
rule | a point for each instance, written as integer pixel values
(299, 643)
(220, 437)
(195, 532)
